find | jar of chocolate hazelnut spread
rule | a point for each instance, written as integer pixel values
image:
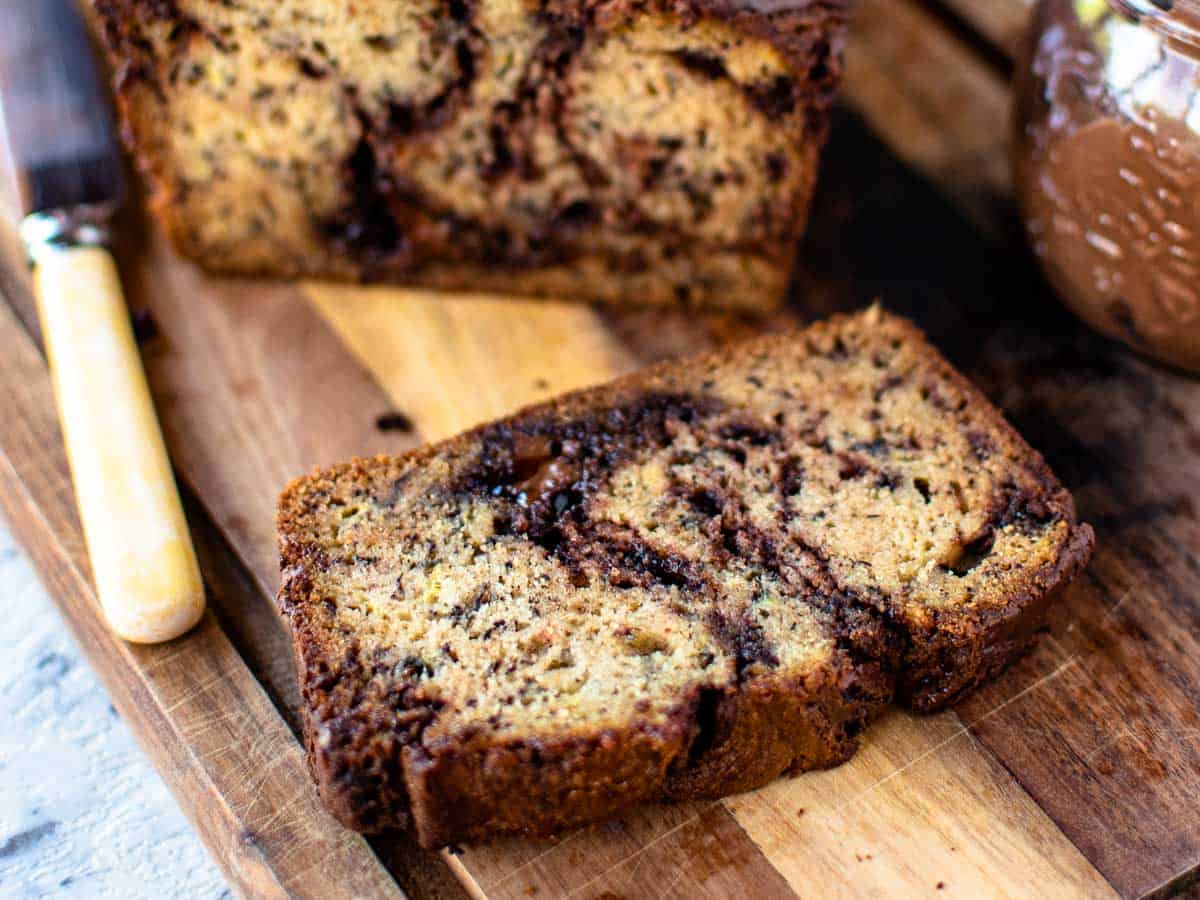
(1108, 165)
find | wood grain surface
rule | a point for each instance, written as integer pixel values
(1001, 22)
(205, 721)
(1075, 774)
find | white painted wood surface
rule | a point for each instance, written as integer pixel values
(82, 812)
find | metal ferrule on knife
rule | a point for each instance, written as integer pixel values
(86, 226)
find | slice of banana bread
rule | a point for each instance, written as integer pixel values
(650, 152)
(678, 585)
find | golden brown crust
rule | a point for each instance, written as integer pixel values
(471, 782)
(943, 664)
(772, 726)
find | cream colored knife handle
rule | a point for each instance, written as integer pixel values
(142, 556)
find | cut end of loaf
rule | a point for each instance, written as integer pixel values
(655, 153)
(679, 585)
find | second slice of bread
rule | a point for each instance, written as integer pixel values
(679, 585)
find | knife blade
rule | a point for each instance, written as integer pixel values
(56, 110)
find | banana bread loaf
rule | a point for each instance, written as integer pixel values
(642, 151)
(679, 585)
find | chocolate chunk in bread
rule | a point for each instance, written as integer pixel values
(657, 152)
(678, 585)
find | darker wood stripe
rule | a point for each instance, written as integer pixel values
(961, 26)
(685, 851)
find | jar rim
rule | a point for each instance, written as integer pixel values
(1158, 7)
(1179, 18)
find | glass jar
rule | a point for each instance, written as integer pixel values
(1108, 165)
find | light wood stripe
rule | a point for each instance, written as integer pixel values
(253, 389)
(922, 805)
(452, 365)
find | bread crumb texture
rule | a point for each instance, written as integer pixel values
(640, 151)
(679, 585)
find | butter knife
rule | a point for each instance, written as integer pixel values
(61, 137)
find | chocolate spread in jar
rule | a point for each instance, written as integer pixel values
(1108, 167)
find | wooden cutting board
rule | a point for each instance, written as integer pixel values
(1075, 774)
